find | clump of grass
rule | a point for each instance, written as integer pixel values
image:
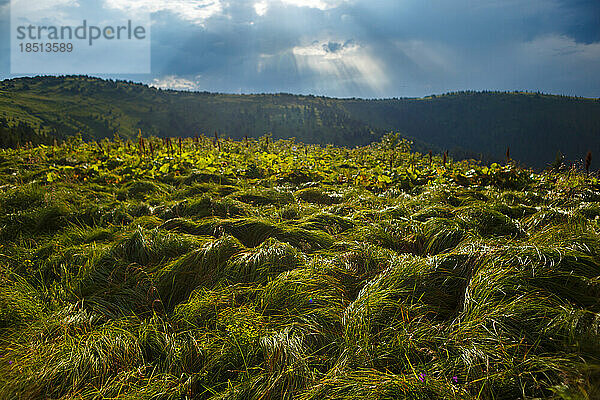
(187, 191)
(264, 196)
(202, 177)
(301, 289)
(327, 222)
(515, 212)
(401, 236)
(73, 319)
(204, 304)
(364, 259)
(290, 212)
(193, 190)
(442, 235)
(589, 210)
(377, 385)
(138, 209)
(141, 189)
(520, 295)
(58, 263)
(547, 217)
(488, 222)
(469, 196)
(232, 353)
(119, 281)
(206, 206)
(263, 262)
(312, 299)
(432, 212)
(317, 196)
(20, 302)
(252, 232)
(21, 198)
(84, 358)
(405, 299)
(202, 207)
(35, 221)
(50, 219)
(306, 240)
(83, 235)
(68, 365)
(527, 198)
(564, 272)
(116, 289)
(286, 363)
(114, 214)
(183, 225)
(147, 222)
(436, 194)
(204, 266)
(394, 212)
(152, 247)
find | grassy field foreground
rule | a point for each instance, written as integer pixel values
(212, 269)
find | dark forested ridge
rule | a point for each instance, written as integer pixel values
(470, 124)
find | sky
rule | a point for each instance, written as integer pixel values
(363, 48)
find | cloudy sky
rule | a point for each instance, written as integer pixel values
(365, 48)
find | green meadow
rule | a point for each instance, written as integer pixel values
(204, 268)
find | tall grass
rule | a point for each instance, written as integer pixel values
(258, 279)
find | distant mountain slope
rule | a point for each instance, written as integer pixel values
(534, 126)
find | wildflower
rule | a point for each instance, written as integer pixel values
(455, 379)
(422, 377)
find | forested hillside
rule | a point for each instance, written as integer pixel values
(469, 124)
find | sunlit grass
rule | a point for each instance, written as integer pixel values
(274, 270)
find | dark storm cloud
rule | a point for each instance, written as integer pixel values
(423, 47)
(380, 48)
(584, 19)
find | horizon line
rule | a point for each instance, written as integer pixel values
(198, 91)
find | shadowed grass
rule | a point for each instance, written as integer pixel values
(263, 262)
(71, 363)
(402, 236)
(488, 222)
(142, 189)
(441, 235)
(20, 303)
(204, 206)
(432, 212)
(318, 196)
(204, 304)
(253, 232)
(408, 298)
(369, 384)
(327, 222)
(201, 267)
(259, 197)
(21, 198)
